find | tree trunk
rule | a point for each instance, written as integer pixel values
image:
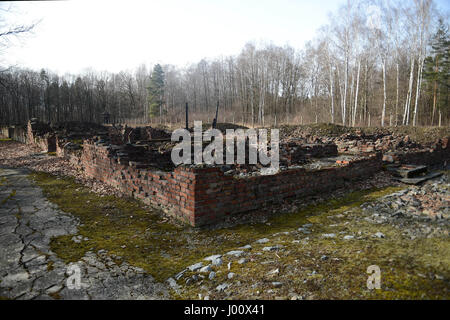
(396, 97)
(419, 82)
(331, 94)
(344, 108)
(408, 97)
(383, 112)
(356, 94)
(434, 93)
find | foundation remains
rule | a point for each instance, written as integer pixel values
(137, 162)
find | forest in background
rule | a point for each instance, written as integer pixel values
(376, 63)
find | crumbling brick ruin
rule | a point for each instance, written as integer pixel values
(137, 162)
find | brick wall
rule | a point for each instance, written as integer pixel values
(201, 196)
(426, 157)
(172, 191)
(438, 154)
(4, 132)
(46, 142)
(218, 195)
(17, 133)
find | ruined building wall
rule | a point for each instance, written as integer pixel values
(27, 134)
(218, 195)
(4, 132)
(17, 133)
(437, 154)
(46, 141)
(171, 191)
(201, 196)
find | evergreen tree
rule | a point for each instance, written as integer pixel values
(437, 70)
(156, 91)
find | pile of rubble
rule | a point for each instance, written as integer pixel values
(297, 153)
(360, 142)
(67, 131)
(139, 155)
(139, 147)
(351, 141)
(40, 128)
(418, 211)
(132, 135)
(306, 147)
(427, 202)
(78, 130)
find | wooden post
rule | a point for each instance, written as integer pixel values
(187, 116)
(214, 124)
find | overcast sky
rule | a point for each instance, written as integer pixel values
(119, 35)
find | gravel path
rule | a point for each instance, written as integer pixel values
(30, 270)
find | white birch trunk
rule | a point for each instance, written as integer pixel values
(331, 94)
(419, 82)
(396, 97)
(383, 112)
(350, 106)
(345, 92)
(408, 97)
(356, 94)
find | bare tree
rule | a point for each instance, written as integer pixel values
(10, 32)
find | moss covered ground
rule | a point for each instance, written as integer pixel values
(313, 267)
(410, 268)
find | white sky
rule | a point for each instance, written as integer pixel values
(119, 35)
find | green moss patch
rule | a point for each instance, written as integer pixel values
(9, 197)
(125, 228)
(312, 213)
(140, 236)
(315, 267)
